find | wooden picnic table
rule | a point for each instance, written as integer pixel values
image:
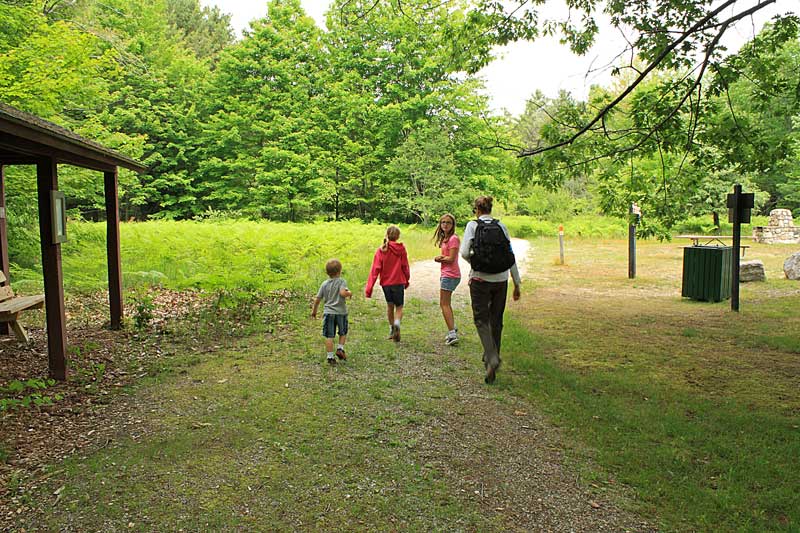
(718, 238)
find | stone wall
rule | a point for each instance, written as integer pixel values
(781, 229)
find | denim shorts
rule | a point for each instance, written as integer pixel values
(330, 323)
(449, 284)
(394, 294)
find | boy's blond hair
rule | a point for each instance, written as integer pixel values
(333, 267)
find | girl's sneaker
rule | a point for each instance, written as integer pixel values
(451, 339)
(331, 361)
(391, 334)
(340, 354)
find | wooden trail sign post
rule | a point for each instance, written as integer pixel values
(635, 214)
(739, 206)
(561, 242)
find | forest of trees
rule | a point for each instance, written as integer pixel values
(380, 116)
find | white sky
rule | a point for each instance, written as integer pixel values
(522, 68)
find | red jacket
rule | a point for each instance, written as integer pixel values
(391, 266)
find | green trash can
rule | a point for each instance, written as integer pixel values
(707, 272)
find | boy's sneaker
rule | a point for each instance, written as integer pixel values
(396, 336)
(451, 339)
(340, 354)
(331, 361)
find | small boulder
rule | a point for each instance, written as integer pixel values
(752, 271)
(791, 267)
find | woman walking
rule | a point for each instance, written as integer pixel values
(487, 246)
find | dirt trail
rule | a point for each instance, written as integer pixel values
(505, 453)
(425, 275)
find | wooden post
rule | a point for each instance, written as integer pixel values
(737, 240)
(3, 225)
(739, 206)
(561, 243)
(47, 181)
(633, 214)
(631, 251)
(113, 249)
(3, 238)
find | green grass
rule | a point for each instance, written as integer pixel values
(582, 226)
(248, 255)
(695, 461)
(222, 254)
(694, 407)
(267, 436)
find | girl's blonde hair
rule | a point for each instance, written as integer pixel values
(440, 235)
(392, 234)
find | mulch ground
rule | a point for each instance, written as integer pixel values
(90, 409)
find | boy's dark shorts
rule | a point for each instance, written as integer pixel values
(330, 323)
(394, 294)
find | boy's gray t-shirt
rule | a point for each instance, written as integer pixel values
(335, 304)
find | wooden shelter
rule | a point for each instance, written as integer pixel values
(26, 139)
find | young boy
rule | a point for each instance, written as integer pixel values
(334, 314)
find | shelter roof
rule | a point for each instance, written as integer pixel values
(25, 137)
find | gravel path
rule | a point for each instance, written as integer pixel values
(503, 455)
(425, 275)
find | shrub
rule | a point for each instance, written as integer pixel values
(595, 226)
(704, 225)
(18, 394)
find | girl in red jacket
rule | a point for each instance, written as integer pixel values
(391, 265)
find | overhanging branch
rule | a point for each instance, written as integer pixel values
(702, 24)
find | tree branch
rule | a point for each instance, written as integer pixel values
(738, 127)
(695, 28)
(654, 130)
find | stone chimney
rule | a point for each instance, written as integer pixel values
(781, 229)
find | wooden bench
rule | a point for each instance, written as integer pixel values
(11, 306)
(711, 238)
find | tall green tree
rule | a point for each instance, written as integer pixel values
(753, 120)
(160, 96)
(410, 85)
(258, 141)
(205, 30)
(665, 35)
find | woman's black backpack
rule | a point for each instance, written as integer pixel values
(491, 249)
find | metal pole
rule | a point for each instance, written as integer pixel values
(561, 242)
(737, 240)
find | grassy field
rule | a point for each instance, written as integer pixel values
(681, 412)
(695, 406)
(221, 254)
